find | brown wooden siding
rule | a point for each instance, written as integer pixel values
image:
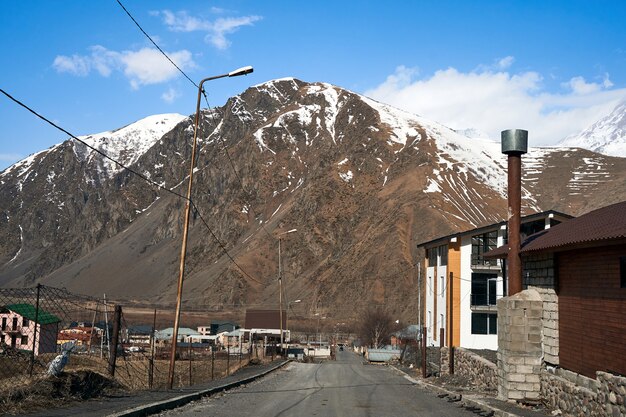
(592, 311)
(454, 267)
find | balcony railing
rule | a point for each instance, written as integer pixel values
(483, 299)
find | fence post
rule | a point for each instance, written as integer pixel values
(152, 349)
(212, 363)
(451, 324)
(190, 380)
(116, 332)
(228, 359)
(32, 354)
(424, 335)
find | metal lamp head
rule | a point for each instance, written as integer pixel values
(514, 141)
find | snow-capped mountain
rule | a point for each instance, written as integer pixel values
(473, 133)
(126, 144)
(362, 182)
(606, 136)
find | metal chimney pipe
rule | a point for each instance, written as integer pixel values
(514, 144)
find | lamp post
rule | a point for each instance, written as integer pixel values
(183, 251)
(280, 286)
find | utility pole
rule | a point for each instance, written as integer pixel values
(419, 298)
(280, 296)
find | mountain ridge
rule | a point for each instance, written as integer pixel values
(360, 181)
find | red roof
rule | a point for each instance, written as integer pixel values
(601, 225)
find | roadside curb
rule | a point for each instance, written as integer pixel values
(153, 408)
(469, 401)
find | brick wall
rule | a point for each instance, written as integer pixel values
(520, 350)
(539, 274)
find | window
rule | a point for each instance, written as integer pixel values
(24, 341)
(25, 322)
(484, 289)
(431, 254)
(4, 323)
(14, 323)
(484, 323)
(430, 319)
(442, 287)
(622, 271)
(481, 244)
(443, 255)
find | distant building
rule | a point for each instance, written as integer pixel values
(477, 282)
(218, 327)
(23, 327)
(265, 324)
(165, 335)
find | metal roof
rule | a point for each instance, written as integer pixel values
(264, 319)
(601, 225)
(482, 229)
(29, 311)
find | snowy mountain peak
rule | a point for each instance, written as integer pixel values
(472, 133)
(606, 136)
(128, 143)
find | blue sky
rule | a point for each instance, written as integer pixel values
(552, 67)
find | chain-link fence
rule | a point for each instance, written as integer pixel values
(44, 327)
(36, 323)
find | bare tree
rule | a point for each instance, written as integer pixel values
(376, 327)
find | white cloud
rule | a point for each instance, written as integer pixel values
(216, 30)
(75, 64)
(170, 95)
(142, 67)
(492, 101)
(506, 62)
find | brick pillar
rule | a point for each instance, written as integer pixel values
(520, 354)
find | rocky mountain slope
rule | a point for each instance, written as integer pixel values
(361, 182)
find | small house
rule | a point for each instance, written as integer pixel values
(25, 327)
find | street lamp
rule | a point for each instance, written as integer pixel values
(280, 286)
(183, 251)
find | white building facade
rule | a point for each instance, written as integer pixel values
(469, 308)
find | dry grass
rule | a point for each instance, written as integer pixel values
(87, 377)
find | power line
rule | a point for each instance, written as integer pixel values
(91, 147)
(159, 186)
(207, 103)
(154, 43)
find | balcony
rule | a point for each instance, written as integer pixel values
(483, 302)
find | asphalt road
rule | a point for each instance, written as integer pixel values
(345, 387)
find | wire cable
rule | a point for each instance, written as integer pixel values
(136, 173)
(155, 44)
(92, 148)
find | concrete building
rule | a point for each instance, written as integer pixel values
(23, 327)
(457, 261)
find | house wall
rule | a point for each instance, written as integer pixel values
(454, 267)
(430, 288)
(539, 274)
(592, 304)
(467, 339)
(442, 311)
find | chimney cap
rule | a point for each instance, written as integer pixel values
(514, 141)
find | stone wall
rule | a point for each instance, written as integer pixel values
(577, 395)
(539, 275)
(520, 350)
(481, 372)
